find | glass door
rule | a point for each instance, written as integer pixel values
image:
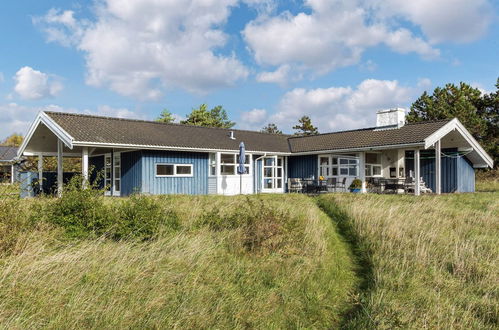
(108, 184)
(273, 172)
(117, 174)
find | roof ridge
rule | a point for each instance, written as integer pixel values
(156, 122)
(369, 128)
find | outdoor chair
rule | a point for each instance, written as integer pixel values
(331, 184)
(295, 185)
(342, 184)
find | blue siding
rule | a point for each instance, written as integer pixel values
(302, 166)
(466, 175)
(131, 172)
(457, 173)
(197, 184)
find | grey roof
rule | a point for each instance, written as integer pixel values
(7, 154)
(108, 130)
(85, 128)
(366, 138)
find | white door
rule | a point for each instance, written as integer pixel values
(117, 174)
(273, 174)
(108, 173)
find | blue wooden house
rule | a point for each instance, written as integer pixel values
(148, 157)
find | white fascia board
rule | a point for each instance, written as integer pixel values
(374, 148)
(52, 154)
(455, 124)
(150, 147)
(52, 125)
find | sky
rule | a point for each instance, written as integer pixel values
(264, 61)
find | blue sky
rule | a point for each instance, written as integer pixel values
(263, 60)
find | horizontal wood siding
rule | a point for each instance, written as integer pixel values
(131, 172)
(302, 166)
(195, 185)
(212, 185)
(465, 175)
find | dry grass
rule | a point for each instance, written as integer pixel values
(195, 277)
(428, 262)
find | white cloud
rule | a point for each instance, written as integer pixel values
(341, 108)
(442, 20)
(253, 119)
(17, 118)
(140, 48)
(33, 85)
(282, 76)
(334, 34)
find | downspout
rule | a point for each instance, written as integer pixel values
(256, 162)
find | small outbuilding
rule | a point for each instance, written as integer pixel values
(7, 164)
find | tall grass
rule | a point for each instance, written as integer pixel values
(428, 262)
(227, 262)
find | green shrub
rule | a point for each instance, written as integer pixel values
(264, 228)
(142, 217)
(81, 212)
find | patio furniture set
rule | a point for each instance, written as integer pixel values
(374, 185)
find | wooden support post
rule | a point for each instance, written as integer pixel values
(438, 168)
(417, 173)
(84, 166)
(362, 171)
(60, 171)
(40, 172)
(12, 173)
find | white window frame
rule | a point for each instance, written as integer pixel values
(235, 164)
(116, 192)
(329, 169)
(274, 168)
(174, 175)
(371, 165)
(108, 183)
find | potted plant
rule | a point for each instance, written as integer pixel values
(356, 186)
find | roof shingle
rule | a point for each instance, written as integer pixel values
(107, 130)
(8, 154)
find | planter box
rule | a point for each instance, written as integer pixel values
(355, 191)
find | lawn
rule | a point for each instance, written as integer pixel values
(222, 262)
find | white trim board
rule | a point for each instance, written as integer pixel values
(52, 126)
(455, 124)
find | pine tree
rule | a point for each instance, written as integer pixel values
(305, 127)
(271, 128)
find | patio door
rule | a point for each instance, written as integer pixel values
(108, 172)
(273, 174)
(117, 174)
(112, 174)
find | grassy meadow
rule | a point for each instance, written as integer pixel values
(172, 262)
(263, 261)
(428, 262)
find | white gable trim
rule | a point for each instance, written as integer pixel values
(52, 125)
(455, 124)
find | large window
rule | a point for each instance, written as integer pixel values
(229, 163)
(169, 170)
(334, 165)
(213, 164)
(373, 165)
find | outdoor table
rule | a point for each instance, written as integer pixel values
(314, 186)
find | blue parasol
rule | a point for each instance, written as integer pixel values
(241, 169)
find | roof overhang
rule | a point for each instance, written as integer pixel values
(57, 130)
(456, 126)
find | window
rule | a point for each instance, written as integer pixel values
(330, 165)
(165, 170)
(348, 166)
(213, 164)
(229, 163)
(373, 164)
